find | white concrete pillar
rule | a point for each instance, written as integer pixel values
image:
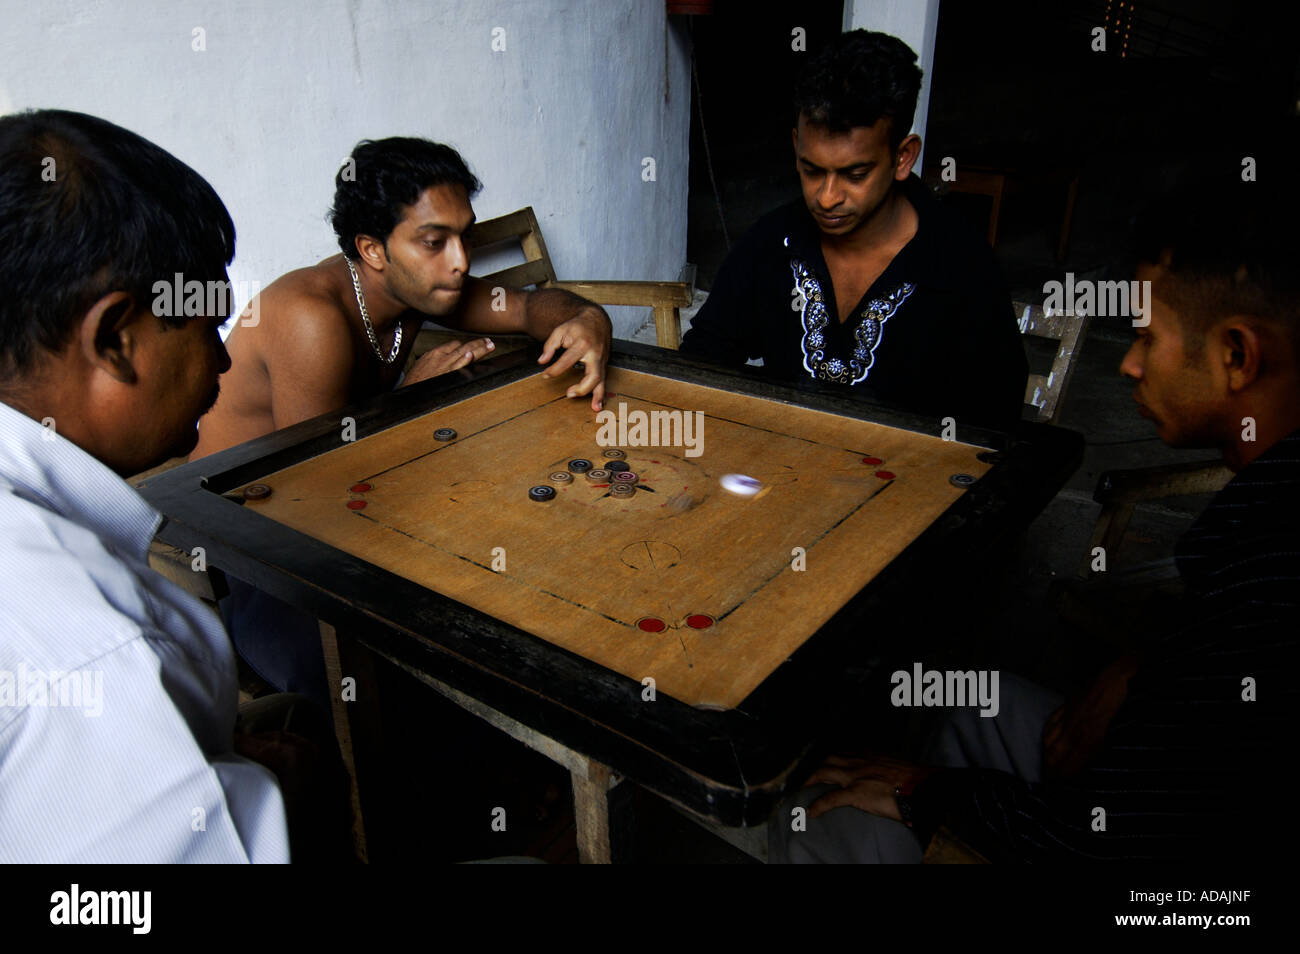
(915, 23)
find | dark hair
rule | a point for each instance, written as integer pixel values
(386, 176)
(855, 80)
(87, 208)
(1227, 247)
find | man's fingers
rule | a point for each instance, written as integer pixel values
(589, 381)
(456, 358)
(448, 357)
(565, 361)
(845, 761)
(577, 345)
(835, 799)
(553, 343)
(479, 348)
(831, 774)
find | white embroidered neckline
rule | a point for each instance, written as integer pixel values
(867, 336)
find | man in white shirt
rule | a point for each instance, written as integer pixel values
(118, 691)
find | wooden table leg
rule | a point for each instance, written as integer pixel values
(362, 690)
(591, 813)
(602, 806)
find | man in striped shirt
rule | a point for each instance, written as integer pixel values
(1177, 755)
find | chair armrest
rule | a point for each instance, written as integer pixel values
(1119, 492)
(1152, 483)
(629, 293)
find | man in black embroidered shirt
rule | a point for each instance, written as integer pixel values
(867, 284)
(1184, 753)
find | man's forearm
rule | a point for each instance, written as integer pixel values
(548, 308)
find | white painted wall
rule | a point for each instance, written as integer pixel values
(915, 22)
(560, 120)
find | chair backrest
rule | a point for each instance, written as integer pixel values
(1044, 392)
(520, 230)
(515, 229)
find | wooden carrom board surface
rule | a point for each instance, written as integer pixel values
(581, 570)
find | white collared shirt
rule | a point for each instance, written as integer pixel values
(118, 690)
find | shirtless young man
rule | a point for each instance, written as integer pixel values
(402, 213)
(340, 331)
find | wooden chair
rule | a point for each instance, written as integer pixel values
(521, 229)
(1127, 605)
(1045, 392)
(1120, 491)
(995, 183)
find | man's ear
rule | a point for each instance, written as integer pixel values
(372, 251)
(108, 337)
(1240, 344)
(908, 151)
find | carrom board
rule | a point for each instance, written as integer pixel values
(698, 588)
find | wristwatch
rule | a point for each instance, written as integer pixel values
(903, 794)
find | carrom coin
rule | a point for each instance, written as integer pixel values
(257, 492)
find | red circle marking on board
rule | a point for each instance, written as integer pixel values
(359, 488)
(872, 460)
(356, 505)
(885, 474)
(699, 621)
(651, 624)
